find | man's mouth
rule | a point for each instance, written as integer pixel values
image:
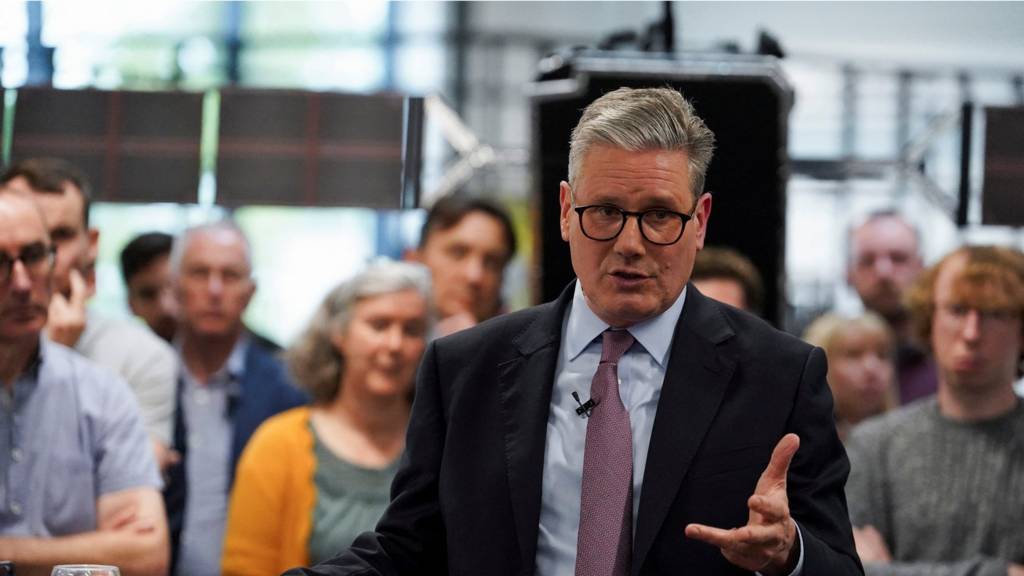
(629, 277)
(966, 363)
(23, 313)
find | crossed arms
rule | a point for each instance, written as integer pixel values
(131, 534)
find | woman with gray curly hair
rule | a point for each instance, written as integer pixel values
(313, 478)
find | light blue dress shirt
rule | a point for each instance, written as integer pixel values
(70, 432)
(641, 374)
(210, 434)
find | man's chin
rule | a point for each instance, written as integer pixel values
(622, 315)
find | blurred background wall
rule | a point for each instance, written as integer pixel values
(878, 92)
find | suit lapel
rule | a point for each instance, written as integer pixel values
(695, 382)
(526, 382)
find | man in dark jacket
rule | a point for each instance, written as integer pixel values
(229, 384)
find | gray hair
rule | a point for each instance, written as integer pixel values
(181, 244)
(644, 119)
(313, 360)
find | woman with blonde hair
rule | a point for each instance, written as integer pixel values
(861, 369)
(313, 478)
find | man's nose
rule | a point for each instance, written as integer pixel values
(883, 266)
(215, 283)
(971, 329)
(21, 280)
(393, 338)
(474, 270)
(630, 241)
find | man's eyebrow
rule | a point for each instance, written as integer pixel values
(63, 231)
(23, 247)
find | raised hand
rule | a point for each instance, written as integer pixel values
(768, 542)
(67, 315)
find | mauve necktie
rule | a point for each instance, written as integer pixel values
(605, 541)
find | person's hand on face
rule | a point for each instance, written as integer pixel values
(768, 543)
(67, 314)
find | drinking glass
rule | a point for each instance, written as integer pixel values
(85, 570)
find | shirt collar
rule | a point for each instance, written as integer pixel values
(236, 362)
(234, 367)
(654, 334)
(35, 363)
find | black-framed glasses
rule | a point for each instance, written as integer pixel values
(37, 258)
(603, 222)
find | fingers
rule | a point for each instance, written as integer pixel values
(750, 547)
(771, 510)
(79, 290)
(778, 467)
(747, 536)
(67, 317)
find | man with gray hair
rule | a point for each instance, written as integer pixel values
(884, 260)
(633, 426)
(229, 384)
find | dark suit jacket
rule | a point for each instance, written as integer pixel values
(264, 390)
(467, 497)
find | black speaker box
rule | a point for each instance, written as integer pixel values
(745, 100)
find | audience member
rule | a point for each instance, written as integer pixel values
(632, 426)
(313, 478)
(884, 259)
(935, 486)
(730, 277)
(230, 384)
(146, 267)
(78, 482)
(466, 243)
(861, 372)
(147, 363)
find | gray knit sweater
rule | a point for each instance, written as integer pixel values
(947, 497)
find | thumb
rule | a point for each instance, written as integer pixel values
(778, 467)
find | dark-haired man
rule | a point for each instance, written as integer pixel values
(146, 268)
(466, 243)
(147, 363)
(727, 276)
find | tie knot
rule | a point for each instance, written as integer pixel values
(614, 344)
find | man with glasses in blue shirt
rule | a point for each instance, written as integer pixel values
(633, 426)
(78, 482)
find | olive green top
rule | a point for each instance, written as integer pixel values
(349, 501)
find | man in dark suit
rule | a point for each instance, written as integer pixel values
(633, 426)
(230, 383)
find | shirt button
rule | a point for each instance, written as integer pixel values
(15, 508)
(16, 454)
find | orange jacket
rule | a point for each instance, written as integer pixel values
(271, 509)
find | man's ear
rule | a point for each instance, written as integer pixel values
(94, 242)
(565, 200)
(701, 216)
(92, 254)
